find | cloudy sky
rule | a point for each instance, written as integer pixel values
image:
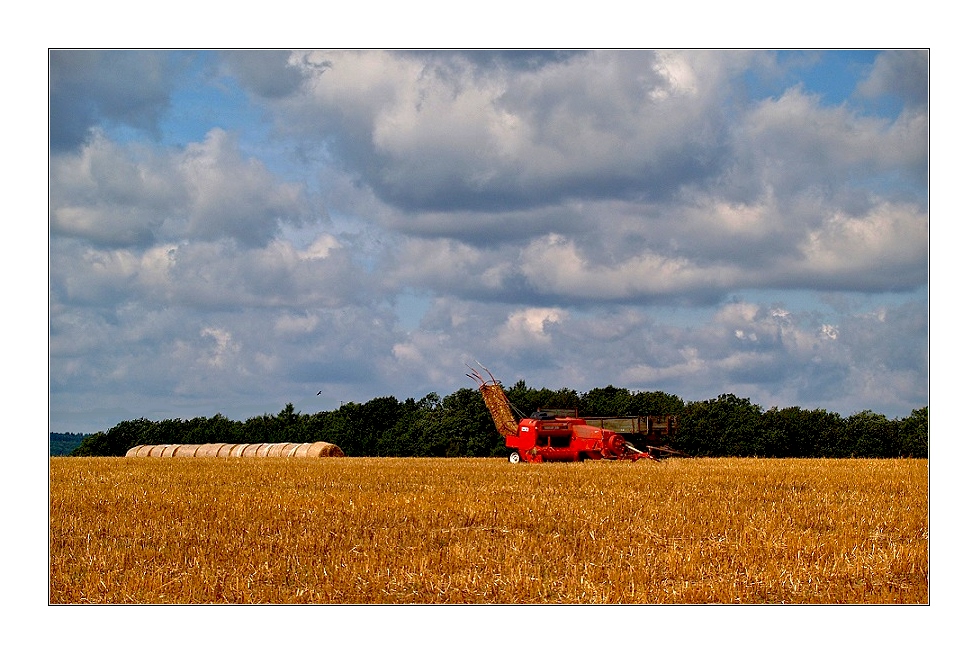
(231, 231)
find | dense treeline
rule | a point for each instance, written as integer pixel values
(460, 425)
(63, 444)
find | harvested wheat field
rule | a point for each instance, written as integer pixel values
(434, 531)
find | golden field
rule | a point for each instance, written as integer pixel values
(474, 531)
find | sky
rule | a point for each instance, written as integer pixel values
(231, 231)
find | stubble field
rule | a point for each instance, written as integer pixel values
(479, 531)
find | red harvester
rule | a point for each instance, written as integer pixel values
(546, 436)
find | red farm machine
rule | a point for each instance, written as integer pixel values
(561, 435)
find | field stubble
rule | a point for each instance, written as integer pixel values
(433, 531)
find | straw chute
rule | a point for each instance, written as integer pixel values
(496, 401)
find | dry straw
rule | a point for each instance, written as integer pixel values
(251, 451)
(321, 449)
(210, 449)
(186, 451)
(445, 531)
(502, 415)
(318, 449)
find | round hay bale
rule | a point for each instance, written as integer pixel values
(289, 452)
(321, 449)
(237, 450)
(277, 450)
(138, 450)
(251, 450)
(316, 450)
(156, 450)
(224, 451)
(169, 450)
(300, 451)
(209, 449)
(263, 450)
(188, 451)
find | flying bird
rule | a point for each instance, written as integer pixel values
(319, 393)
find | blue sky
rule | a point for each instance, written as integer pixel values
(231, 231)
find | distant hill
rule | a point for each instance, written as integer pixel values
(63, 444)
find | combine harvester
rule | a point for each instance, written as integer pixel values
(560, 435)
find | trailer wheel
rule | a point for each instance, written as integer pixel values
(514, 457)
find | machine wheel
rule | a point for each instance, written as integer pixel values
(514, 457)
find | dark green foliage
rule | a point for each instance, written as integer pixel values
(460, 425)
(797, 432)
(527, 400)
(62, 444)
(117, 440)
(912, 435)
(869, 434)
(608, 401)
(726, 426)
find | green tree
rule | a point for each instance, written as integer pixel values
(117, 440)
(797, 432)
(655, 403)
(913, 434)
(607, 401)
(726, 426)
(869, 434)
(468, 416)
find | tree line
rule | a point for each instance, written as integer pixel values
(64, 443)
(459, 425)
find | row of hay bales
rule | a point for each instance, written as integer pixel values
(245, 450)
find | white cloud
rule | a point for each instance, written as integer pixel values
(233, 196)
(130, 196)
(222, 348)
(427, 130)
(109, 194)
(886, 247)
(558, 265)
(209, 275)
(289, 325)
(528, 328)
(581, 219)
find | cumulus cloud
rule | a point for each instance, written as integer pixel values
(528, 328)
(368, 222)
(556, 265)
(208, 275)
(233, 196)
(902, 73)
(265, 72)
(767, 191)
(788, 142)
(885, 249)
(115, 195)
(453, 133)
(129, 88)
